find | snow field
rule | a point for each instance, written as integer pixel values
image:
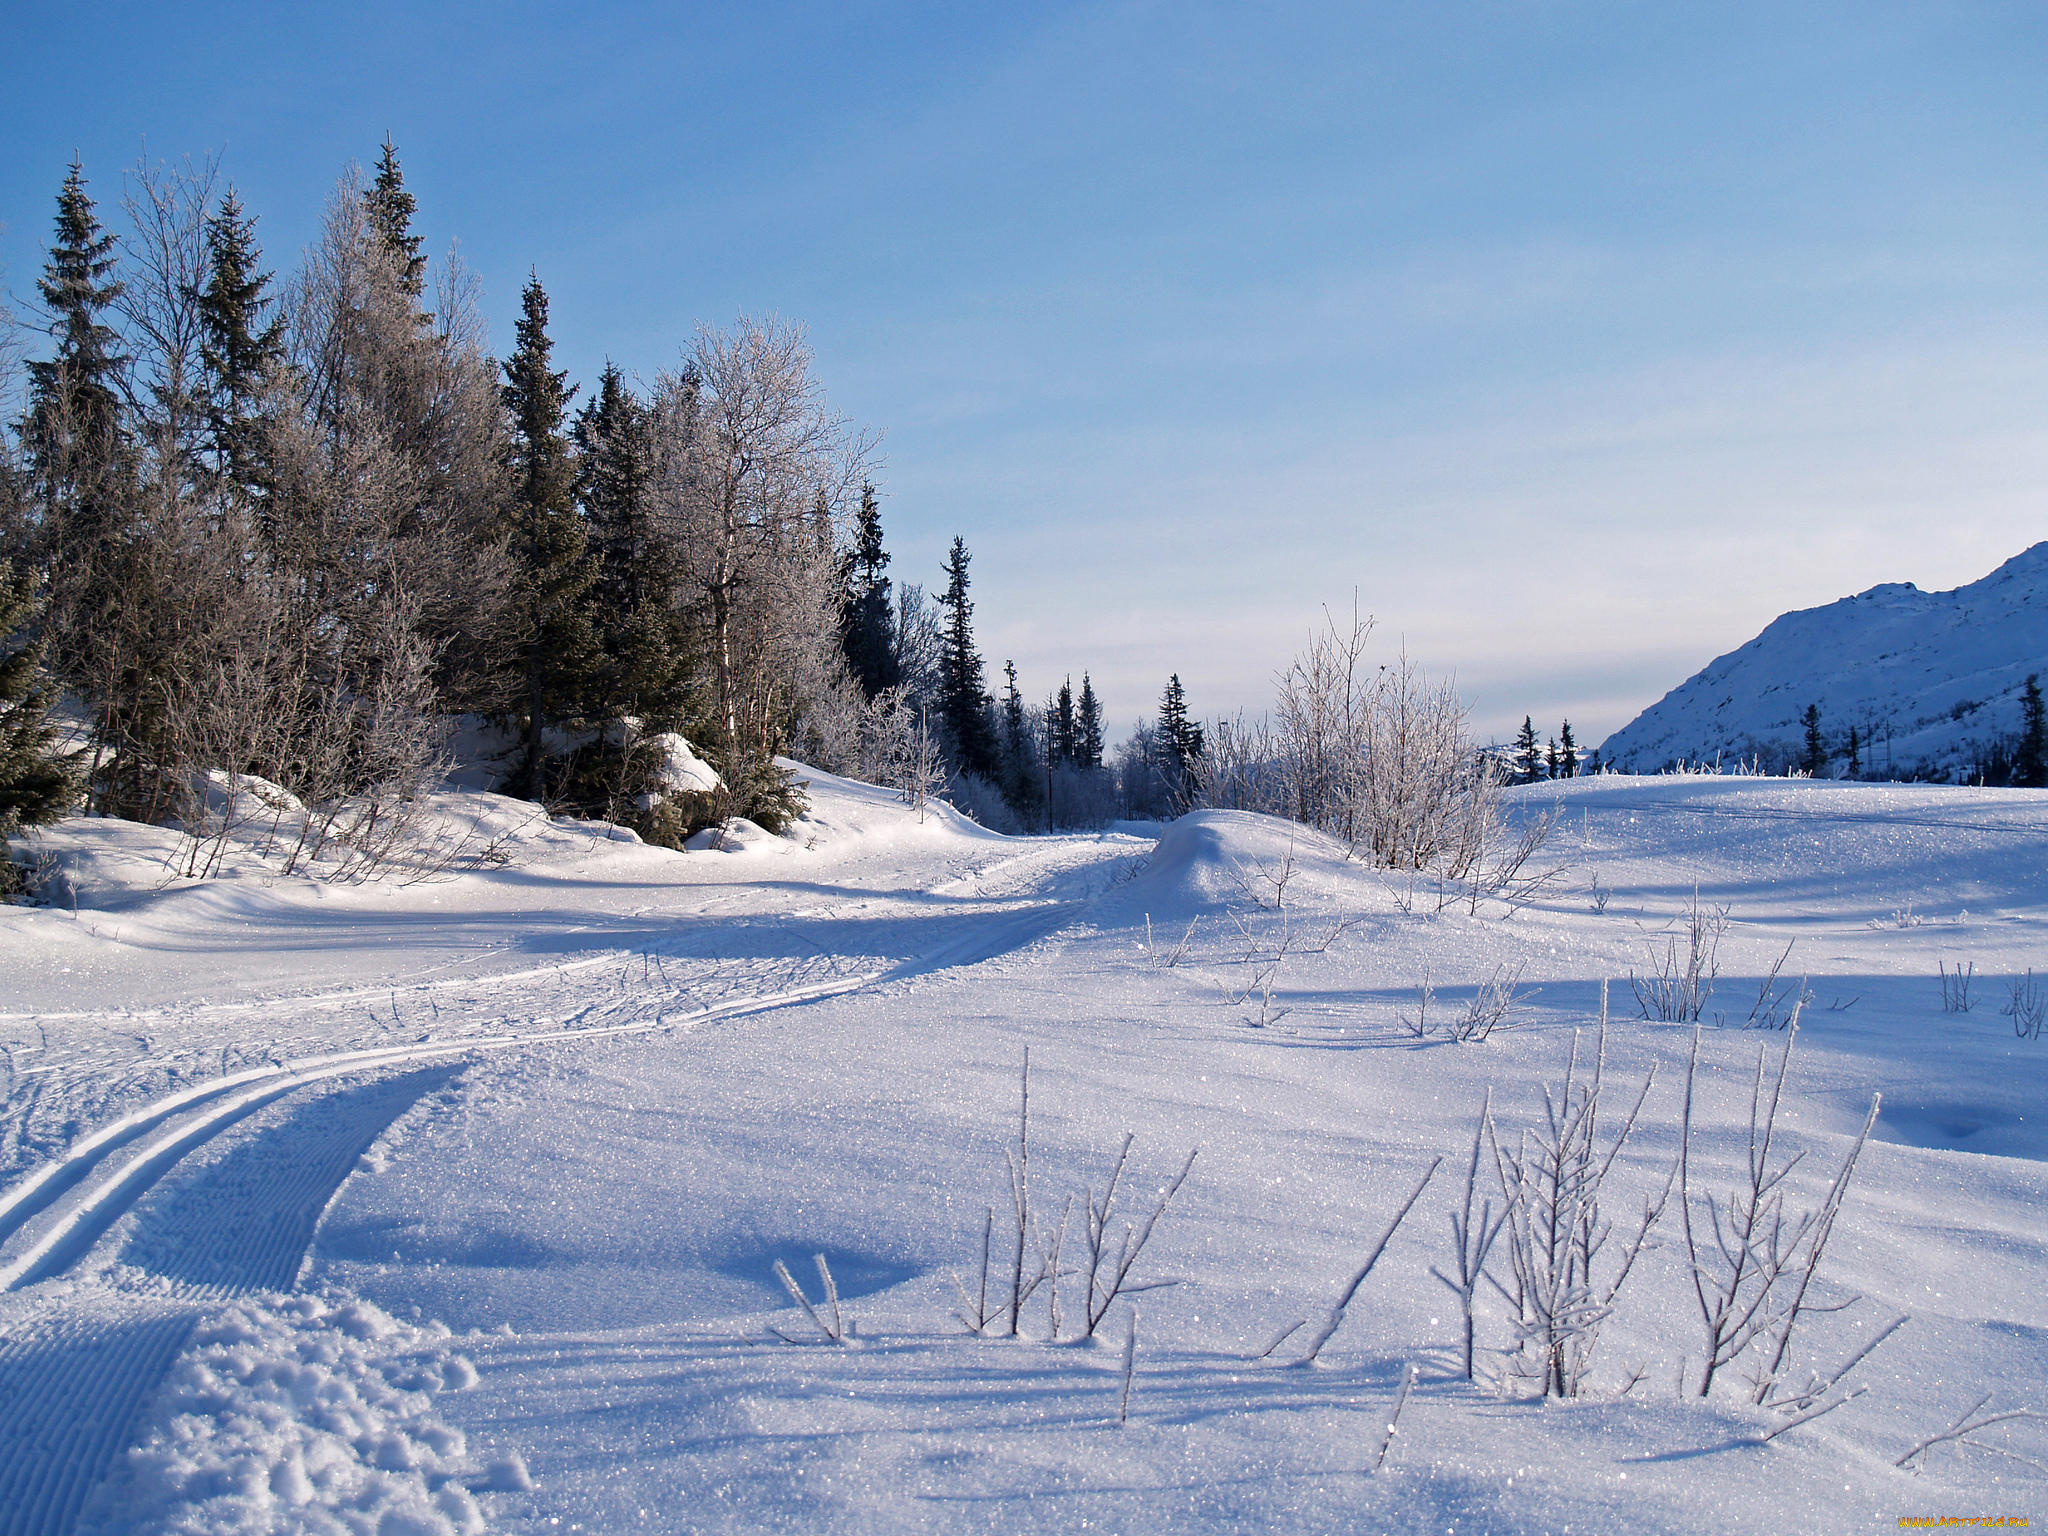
(607, 1210)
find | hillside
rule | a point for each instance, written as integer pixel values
(1930, 681)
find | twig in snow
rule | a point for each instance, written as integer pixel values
(1473, 1239)
(1968, 1423)
(1336, 1318)
(1109, 1272)
(1955, 985)
(834, 1331)
(1123, 1405)
(974, 1309)
(1394, 1418)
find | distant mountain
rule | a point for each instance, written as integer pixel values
(1930, 680)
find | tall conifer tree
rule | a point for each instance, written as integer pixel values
(36, 783)
(639, 623)
(1061, 747)
(1088, 727)
(555, 651)
(2030, 762)
(241, 346)
(391, 213)
(1815, 757)
(963, 695)
(82, 470)
(1181, 744)
(868, 615)
(1528, 758)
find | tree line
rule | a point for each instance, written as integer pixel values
(293, 530)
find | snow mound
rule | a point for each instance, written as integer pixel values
(310, 1413)
(1208, 859)
(1929, 680)
(738, 835)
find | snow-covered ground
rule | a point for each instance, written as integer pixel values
(456, 1205)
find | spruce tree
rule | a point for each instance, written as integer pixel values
(1021, 787)
(1088, 727)
(241, 346)
(1567, 752)
(1181, 745)
(867, 613)
(2030, 761)
(1815, 757)
(82, 472)
(74, 431)
(963, 696)
(1855, 766)
(1062, 746)
(1528, 758)
(554, 650)
(391, 210)
(639, 624)
(36, 784)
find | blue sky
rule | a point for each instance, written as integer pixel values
(1579, 340)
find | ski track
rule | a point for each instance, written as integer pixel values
(204, 1229)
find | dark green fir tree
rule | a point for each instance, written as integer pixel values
(37, 785)
(1567, 752)
(1088, 727)
(2030, 760)
(1021, 785)
(867, 612)
(241, 348)
(391, 210)
(555, 654)
(1060, 726)
(1181, 745)
(1528, 755)
(639, 624)
(1814, 758)
(963, 695)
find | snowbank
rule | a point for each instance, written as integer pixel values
(301, 1414)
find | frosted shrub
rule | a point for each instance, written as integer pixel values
(1376, 756)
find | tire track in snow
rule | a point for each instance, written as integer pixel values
(92, 1185)
(70, 1396)
(72, 1390)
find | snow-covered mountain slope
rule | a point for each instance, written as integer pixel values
(1929, 681)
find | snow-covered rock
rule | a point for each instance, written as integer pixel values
(1928, 680)
(681, 770)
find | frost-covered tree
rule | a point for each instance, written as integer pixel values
(754, 474)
